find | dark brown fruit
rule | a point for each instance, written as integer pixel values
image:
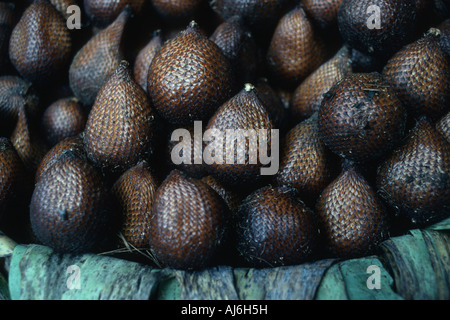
(275, 228)
(135, 190)
(239, 46)
(353, 219)
(443, 126)
(278, 111)
(189, 78)
(27, 141)
(308, 96)
(63, 5)
(40, 47)
(295, 50)
(189, 223)
(305, 163)
(246, 113)
(231, 198)
(322, 12)
(419, 74)
(96, 60)
(145, 57)
(71, 144)
(415, 179)
(444, 27)
(69, 206)
(104, 12)
(7, 21)
(15, 93)
(361, 118)
(11, 174)
(176, 10)
(120, 126)
(62, 119)
(357, 21)
(442, 7)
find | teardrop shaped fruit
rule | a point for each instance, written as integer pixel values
(16, 92)
(63, 6)
(176, 10)
(231, 198)
(7, 21)
(97, 59)
(62, 119)
(239, 46)
(145, 57)
(443, 126)
(308, 96)
(189, 223)
(305, 162)
(104, 12)
(275, 228)
(295, 50)
(353, 220)
(415, 179)
(272, 102)
(40, 47)
(323, 12)
(68, 145)
(361, 118)
(237, 131)
(377, 27)
(120, 126)
(135, 190)
(27, 141)
(69, 207)
(12, 173)
(189, 78)
(419, 75)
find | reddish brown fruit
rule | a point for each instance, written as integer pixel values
(295, 50)
(120, 126)
(322, 12)
(135, 190)
(443, 126)
(64, 118)
(40, 47)
(353, 219)
(232, 198)
(244, 112)
(145, 57)
(275, 228)
(189, 223)
(63, 5)
(176, 10)
(69, 207)
(419, 75)
(278, 111)
(361, 118)
(308, 96)
(96, 60)
(104, 12)
(415, 179)
(304, 160)
(189, 78)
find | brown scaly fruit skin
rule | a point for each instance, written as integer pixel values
(12, 173)
(275, 228)
(145, 57)
(135, 190)
(444, 27)
(305, 162)
(120, 126)
(189, 223)
(415, 178)
(353, 219)
(272, 102)
(64, 118)
(360, 118)
(176, 10)
(104, 12)
(43, 29)
(419, 74)
(96, 60)
(397, 25)
(69, 207)
(7, 21)
(15, 93)
(244, 111)
(443, 126)
(232, 198)
(322, 12)
(295, 50)
(308, 96)
(189, 78)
